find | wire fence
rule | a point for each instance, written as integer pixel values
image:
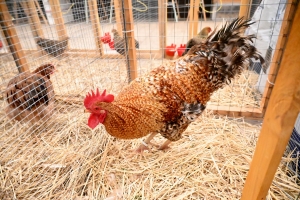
(83, 45)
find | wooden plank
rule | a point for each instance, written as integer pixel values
(274, 66)
(41, 12)
(118, 16)
(236, 111)
(280, 117)
(96, 25)
(196, 17)
(34, 20)
(162, 22)
(191, 19)
(203, 9)
(12, 38)
(58, 19)
(129, 35)
(90, 53)
(245, 8)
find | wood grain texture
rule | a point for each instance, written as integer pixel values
(34, 20)
(162, 21)
(12, 38)
(279, 120)
(58, 19)
(274, 66)
(129, 35)
(118, 15)
(245, 8)
(96, 25)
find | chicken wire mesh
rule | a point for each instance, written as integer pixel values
(77, 38)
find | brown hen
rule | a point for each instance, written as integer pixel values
(30, 96)
(170, 97)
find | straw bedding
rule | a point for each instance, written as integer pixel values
(61, 158)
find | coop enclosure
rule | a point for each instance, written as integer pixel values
(90, 61)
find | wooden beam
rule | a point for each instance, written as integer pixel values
(245, 8)
(12, 38)
(34, 20)
(58, 19)
(129, 35)
(162, 23)
(203, 9)
(279, 120)
(191, 19)
(96, 25)
(41, 12)
(90, 53)
(118, 15)
(236, 111)
(277, 56)
(196, 17)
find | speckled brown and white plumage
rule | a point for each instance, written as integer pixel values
(170, 97)
(53, 47)
(198, 39)
(30, 96)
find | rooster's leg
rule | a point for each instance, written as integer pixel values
(164, 145)
(145, 143)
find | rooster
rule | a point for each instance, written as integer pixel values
(119, 43)
(30, 96)
(53, 47)
(170, 97)
(198, 39)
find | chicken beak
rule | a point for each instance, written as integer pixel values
(86, 111)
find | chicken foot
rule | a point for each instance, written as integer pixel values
(144, 146)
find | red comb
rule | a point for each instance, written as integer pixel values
(93, 97)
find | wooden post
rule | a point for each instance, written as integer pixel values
(58, 19)
(279, 119)
(245, 8)
(196, 17)
(34, 20)
(162, 21)
(12, 38)
(288, 16)
(96, 25)
(118, 16)
(129, 35)
(41, 12)
(191, 19)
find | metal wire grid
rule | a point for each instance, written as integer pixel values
(79, 28)
(77, 74)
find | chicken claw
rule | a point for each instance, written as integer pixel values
(145, 146)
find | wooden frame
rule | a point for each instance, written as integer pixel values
(162, 22)
(145, 54)
(193, 18)
(280, 117)
(12, 38)
(58, 19)
(35, 23)
(96, 25)
(129, 34)
(283, 105)
(277, 54)
(245, 8)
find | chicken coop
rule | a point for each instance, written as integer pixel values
(53, 52)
